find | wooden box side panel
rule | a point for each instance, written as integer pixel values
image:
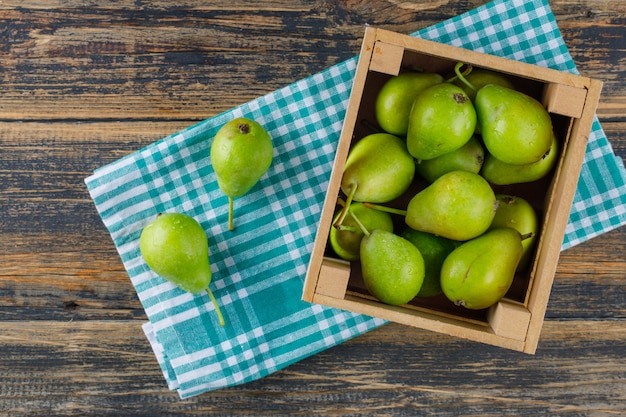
(341, 155)
(503, 65)
(423, 320)
(562, 196)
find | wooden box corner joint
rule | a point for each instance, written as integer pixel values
(509, 319)
(333, 278)
(387, 58)
(564, 99)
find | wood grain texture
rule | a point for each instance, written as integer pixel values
(63, 367)
(85, 82)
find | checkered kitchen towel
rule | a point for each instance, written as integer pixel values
(259, 268)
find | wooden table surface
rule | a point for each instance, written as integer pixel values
(83, 83)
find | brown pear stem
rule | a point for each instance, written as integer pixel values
(527, 236)
(385, 209)
(217, 307)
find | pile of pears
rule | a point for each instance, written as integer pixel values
(174, 245)
(443, 149)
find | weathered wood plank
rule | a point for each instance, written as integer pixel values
(201, 58)
(190, 61)
(64, 368)
(85, 82)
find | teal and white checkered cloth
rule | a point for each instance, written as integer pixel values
(259, 268)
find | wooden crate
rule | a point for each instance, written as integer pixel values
(514, 322)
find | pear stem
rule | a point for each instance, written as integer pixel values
(344, 228)
(231, 209)
(461, 76)
(466, 72)
(527, 236)
(358, 222)
(217, 307)
(344, 210)
(385, 209)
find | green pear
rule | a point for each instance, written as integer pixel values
(480, 77)
(346, 240)
(468, 157)
(392, 268)
(442, 119)
(478, 273)
(241, 153)
(175, 246)
(516, 128)
(459, 205)
(378, 169)
(396, 96)
(517, 213)
(501, 173)
(434, 250)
